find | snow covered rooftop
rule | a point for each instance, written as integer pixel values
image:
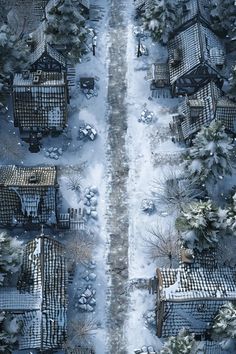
(12, 175)
(191, 295)
(198, 110)
(195, 46)
(197, 283)
(45, 49)
(44, 79)
(44, 272)
(13, 300)
(207, 94)
(196, 9)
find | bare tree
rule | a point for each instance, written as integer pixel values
(74, 183)
(162, 244)
(174, 191)
(80, 331)
(79, 247)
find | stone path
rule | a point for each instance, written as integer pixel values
(118, 170)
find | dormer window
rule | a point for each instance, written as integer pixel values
(175, 57)
(32, 179)
(195, 109)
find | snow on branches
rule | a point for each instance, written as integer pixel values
(224, 326)
(181, 344)
(161, 18)
(65, 27)
(209, 159)
(14, 57)
(223, 14)
(9, 329)
(10, 255)
(200, 222)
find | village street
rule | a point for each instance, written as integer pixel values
(117, 208)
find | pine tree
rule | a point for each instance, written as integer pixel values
(199, 223)
(13, 58)
(225, 322)
(10, 255)
(66, 27)
(223, 14)
(161, 18)
(209, 159)
(181, 344)
(9, 330)
(232, 80)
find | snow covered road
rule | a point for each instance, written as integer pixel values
(117, 210)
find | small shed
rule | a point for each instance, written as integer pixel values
(87, 83)
(159, 75)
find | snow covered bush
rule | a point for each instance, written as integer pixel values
(9, 329)
(181, 344)
(209, 159)
(80, 331)
(79, 247)
(161, 18)
(223, 15)
(162, 244)
(224, 326)
(10, 255)
(74, 183)
(175, 191)
(199, 223)
(14, 57)
(65, 27)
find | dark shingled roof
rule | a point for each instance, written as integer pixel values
(197, 45)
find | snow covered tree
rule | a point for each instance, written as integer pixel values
(223, 14)
(199, 223)
(181, 344)
(162, 244)
(174, 191)
(224, 327)
(10, 255)
(161, 18)
(14, 57)
(209, 159)
(232, 80)
(9, 329)
(65, 27)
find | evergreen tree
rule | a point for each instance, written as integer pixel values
(224, 327)
(66, 27)
(232, 80)
(9, 330)
(181, 344)
(199, 223)
(14, 57)
(209, 159)
(161, 18)
(10, 255)
(223, 14)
